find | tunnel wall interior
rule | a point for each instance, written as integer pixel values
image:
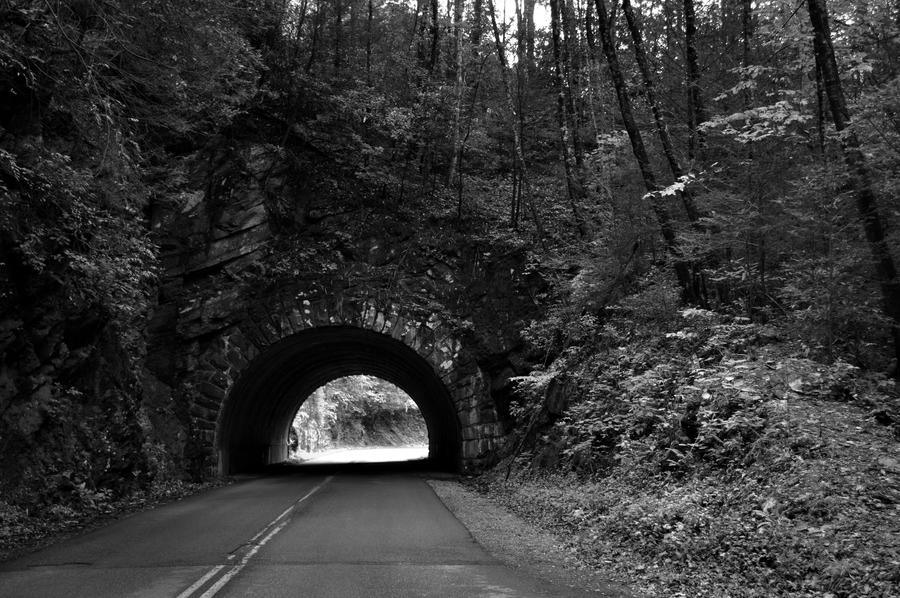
(257, 415)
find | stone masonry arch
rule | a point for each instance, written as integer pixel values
(249, 377)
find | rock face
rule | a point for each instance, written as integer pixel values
(276, 282)
(70, 422)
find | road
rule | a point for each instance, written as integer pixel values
(313, 533)
(379, 454)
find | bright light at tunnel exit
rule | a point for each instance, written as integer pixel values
(358, 419)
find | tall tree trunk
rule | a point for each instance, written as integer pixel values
(298, 30)
(589, 30)
(593, 66)
(513, 208)
(820, 114)
(570, 66)
(574, 188)
(523, 72)
(420, 28)
(435, 36)
(746, 38)
(352, 40)
(314, 42)
(529, 31)
(748, 96)
(459, 90)
(369, 43)
(670, 26)
(662, 130)
(477, 20)
(682, 269)
(338, 33)
(517, 134)
(696, 111)
(866, 201)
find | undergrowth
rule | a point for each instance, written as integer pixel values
(27, 529)
(711, 457)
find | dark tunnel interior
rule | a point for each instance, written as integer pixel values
(252, 432)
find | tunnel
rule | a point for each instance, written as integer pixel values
(252, 431)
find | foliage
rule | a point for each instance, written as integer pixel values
(64, 228)
(92, 92)
(717, 460)
(22, 529)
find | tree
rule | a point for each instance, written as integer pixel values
(569, 146)
(866, 200)
(459, 89)
(605, 26)
(517, 133)
(661, 128)
(695, 110)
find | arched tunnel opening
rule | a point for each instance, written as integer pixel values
(254, 426)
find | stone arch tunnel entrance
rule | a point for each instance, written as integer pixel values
(254, 423)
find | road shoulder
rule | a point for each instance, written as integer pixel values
(518, 544)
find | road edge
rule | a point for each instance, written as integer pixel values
(518, 544)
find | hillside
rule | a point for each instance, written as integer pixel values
(710, 458)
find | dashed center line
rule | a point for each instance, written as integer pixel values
(256, 543)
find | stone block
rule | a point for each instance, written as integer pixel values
(221, 379)
(207, 435)
(217, 359)
(462, 396)
(436, 357)
(367, 315)
(425, 341)
(208, 403)
(433, 322)
(236, 360)
(298, 322)
(446, 376)
(271, 333)
(253, 335)
(465, 382)
(321, 315)
(211, 390)
(199, 412)
(399, 328)
(471, 401)
(284, 323)
(470, 432)
(351, 312)
(378, 324)
(389, 320)
(204, 425)
(337, 307)
(487, 413)
(475, 449)
(466, 364)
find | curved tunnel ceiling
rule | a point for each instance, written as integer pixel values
(253, 428)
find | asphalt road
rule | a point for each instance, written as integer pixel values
(381, 454)
(311, 533)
